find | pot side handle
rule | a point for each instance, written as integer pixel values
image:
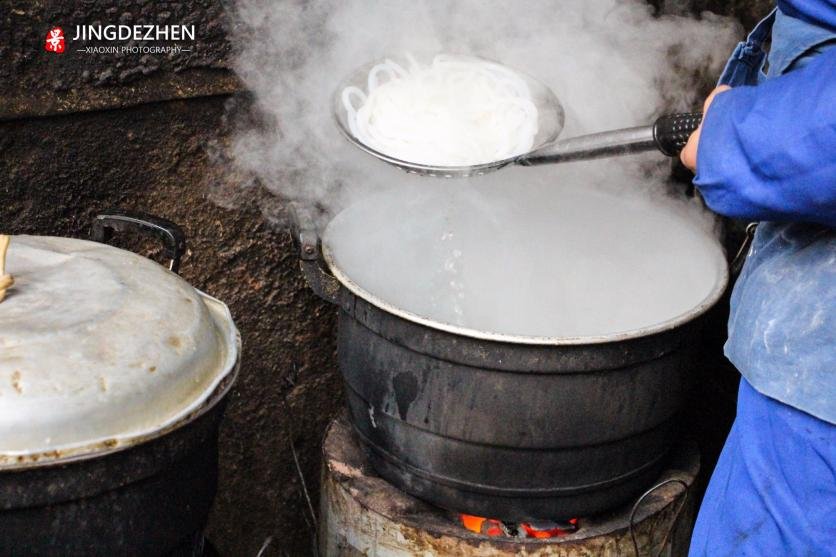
(171, 235)
(309, 246)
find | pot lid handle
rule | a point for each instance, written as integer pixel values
(6, 280)
(171, 235)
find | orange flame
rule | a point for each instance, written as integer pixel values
(532, 532)
(481, 525)
(493, 527)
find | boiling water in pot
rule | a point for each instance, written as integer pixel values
(541, 260)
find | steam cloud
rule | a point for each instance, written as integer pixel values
(611, 62)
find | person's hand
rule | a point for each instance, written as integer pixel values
(688, 156)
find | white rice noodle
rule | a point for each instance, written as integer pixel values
(457, 111)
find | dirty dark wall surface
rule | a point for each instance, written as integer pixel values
(34, 82)
(749, 12)
(83, 133)
(80, 133)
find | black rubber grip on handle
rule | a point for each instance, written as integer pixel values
(671, 132)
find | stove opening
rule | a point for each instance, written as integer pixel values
(540, 529)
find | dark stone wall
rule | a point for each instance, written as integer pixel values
(33, 82)
(81, 133)
(749, 12)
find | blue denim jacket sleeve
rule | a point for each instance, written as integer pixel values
(768, 153)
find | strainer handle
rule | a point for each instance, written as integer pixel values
(667, 135)
(671, 132)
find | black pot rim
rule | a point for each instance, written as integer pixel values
(706, 304)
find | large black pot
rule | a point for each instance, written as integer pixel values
(150, 495)
(506, 429)
(149, 499)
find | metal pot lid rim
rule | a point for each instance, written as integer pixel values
(94, 448)
(11, 462)
(103, 349)
(672, 323)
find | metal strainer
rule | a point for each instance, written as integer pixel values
(667, 134)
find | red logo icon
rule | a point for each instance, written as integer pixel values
(55, 40)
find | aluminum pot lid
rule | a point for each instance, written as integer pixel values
(100, 347)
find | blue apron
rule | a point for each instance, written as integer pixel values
(782, 325)
(773, 492)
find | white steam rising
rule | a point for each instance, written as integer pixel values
(611, 63)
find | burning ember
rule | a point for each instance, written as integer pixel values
(540, 530)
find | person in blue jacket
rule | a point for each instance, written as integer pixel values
(766, 152)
